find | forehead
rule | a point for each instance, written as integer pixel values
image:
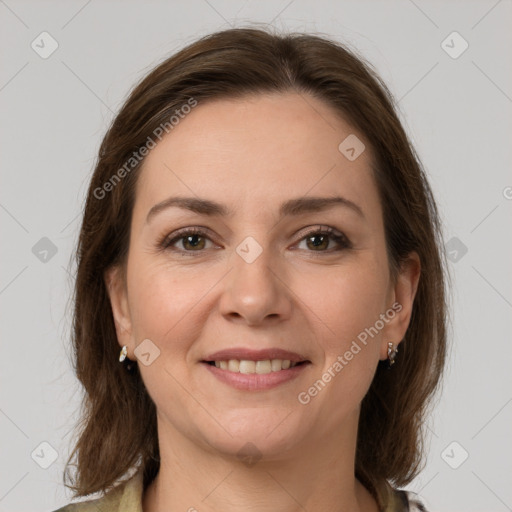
(258, 151)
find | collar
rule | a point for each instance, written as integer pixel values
(130, 499)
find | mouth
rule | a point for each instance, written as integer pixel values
(250, 375)
(255, 370)
(260, 367)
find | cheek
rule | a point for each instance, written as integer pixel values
(345, 301)
(164, 306)
(161, 299)
(348, 304)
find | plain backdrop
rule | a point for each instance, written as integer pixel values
(455, 97)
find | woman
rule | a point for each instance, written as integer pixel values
(260, 241)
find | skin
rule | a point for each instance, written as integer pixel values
(251, 155)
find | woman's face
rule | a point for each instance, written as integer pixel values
(260, 276)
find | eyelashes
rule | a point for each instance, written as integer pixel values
(326, 233)
(169, 241)
(194, 236)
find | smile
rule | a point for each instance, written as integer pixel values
(260, 367)
(255, 375)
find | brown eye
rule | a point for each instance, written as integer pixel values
(192, 240)
(319, 240)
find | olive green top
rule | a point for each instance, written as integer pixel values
(127, 497)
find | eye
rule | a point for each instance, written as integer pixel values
(318, 240)
(190, 237)
(194, 240)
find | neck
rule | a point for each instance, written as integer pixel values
(316, 476)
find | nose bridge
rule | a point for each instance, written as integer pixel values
(255, 289)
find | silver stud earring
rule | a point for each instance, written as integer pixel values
(392, 351)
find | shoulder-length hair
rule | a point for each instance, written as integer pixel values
(118, 425)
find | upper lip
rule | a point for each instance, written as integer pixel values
(254, 355)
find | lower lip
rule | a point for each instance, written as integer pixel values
(256, 381)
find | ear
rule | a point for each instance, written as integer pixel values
(402, 300)
(117, 292)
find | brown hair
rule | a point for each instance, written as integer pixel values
(118, 425)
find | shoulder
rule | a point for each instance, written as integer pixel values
(84, 506)
(391, 499)
(125, 497)
(411, 501)
(87, 506)
(107, 503)
(415, 502)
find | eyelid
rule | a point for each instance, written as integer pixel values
(338, 236)
(166, 241)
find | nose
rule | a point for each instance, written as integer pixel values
(256, 291)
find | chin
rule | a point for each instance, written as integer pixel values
(255, 435)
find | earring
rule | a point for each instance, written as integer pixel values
(392, 351)
(129, 364)
(123, 354)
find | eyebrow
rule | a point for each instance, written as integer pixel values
(288, 208)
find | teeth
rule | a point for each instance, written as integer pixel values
(259, 367)
(247, 367)
(263, 367)
(275, 364)
(233, 365)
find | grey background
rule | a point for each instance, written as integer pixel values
(55, 111)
